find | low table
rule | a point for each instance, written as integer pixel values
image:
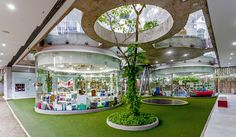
(222, 102)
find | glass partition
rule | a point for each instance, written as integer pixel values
(76, 80)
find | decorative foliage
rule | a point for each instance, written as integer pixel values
(49, 82)
(119, 19)
(132, 71)
(126, 118)
(186, 80)
(149, 25)
(126, 19)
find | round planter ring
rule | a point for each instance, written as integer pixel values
(164, 102)
(133, 128)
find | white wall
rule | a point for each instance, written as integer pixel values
(1, 88)
(23, 78)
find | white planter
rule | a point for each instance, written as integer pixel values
(133, 128)
(70, 112)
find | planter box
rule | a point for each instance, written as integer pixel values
(133, 128)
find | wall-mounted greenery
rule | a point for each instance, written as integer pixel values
(49, 82)
(186, 79)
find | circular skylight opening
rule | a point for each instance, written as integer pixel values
(123, 19)
(118, 25)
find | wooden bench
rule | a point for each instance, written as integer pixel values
(222, 102)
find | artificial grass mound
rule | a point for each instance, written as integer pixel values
(128, 119)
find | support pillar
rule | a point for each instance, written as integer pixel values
(7, 83)
(1, 82)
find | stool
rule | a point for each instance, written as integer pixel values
(222, 102)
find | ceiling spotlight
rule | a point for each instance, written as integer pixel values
(230, 58)
(234, 43)
(3, 44)
(185, 55)
(1, 54)
(172, 60)
(101, 68)
(229, 63)
(156, 61)
(88, 68)
(169, 52)
(231, 53)
(11, 6)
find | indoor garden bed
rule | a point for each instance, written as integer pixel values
(129, 122)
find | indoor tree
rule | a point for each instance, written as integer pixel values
(126, 19)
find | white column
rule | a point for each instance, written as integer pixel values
(7, 82)
(1, 82)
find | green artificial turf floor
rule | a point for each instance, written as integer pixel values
(175, 121)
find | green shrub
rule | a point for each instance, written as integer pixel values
(128, 119)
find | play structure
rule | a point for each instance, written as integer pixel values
(179, 91)
(183, 81)
(186, 86)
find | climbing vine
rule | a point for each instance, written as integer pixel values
(126, 19)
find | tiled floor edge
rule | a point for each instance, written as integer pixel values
(14, 115)
(208, 119)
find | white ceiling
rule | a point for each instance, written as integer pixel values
(20, 23)
(29, 14)
(223, 17)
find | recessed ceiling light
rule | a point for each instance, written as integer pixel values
(231, 53)
(229, 63)
(169, 52)
(172, 60)
(234, 43)
(156, 61)
(1, 54)
(0, 60)
(3, 44)
(101, 68)
(11, 6)
(230, 58)
(185, 55)
(88, 68)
